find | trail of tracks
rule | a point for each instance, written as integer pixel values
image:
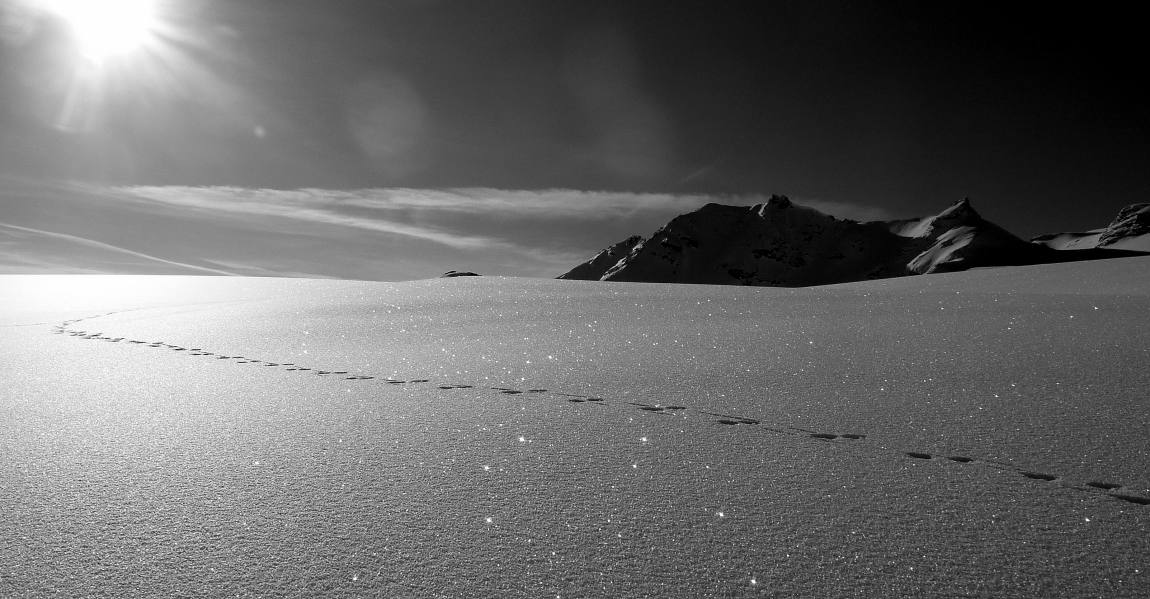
(853, 440)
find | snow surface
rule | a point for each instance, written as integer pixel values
(159, 438)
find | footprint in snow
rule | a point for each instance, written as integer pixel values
(584, 399)
(656, 409)
(1095, 486)
(833, 436)
(737, 421)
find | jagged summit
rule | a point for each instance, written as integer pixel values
(779, 243)
(1130, 229)
(960, 209)
(961, 213)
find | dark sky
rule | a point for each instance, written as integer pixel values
(1032, 111)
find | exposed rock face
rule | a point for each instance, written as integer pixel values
(1130, 230)
(455, 273)
(783, 244)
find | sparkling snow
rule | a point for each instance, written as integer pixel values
(975, 434)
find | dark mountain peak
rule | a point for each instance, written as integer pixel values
(958, 214)
(779, 202)
(780, 243)
(775, 203)
(961, 210)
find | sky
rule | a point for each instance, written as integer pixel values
(519, 136)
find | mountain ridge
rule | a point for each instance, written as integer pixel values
(780, 243)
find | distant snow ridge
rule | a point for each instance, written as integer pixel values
(1130, 230)
(782, 244)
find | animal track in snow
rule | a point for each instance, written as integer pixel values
(582, 399)
(1100, 488)
(1109, 489)
(657, 408)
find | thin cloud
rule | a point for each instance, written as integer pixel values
(252, 270)
(323, 205)
(91, 243)
(573, 204)
(312, 206)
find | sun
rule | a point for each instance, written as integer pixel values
(106, 28)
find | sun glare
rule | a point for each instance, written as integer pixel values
(107, 27)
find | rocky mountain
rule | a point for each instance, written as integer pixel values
(593, 269)
(1130, 230)
(779, 243)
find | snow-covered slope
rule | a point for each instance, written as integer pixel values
(1130, 230)
(980, 433)
(1070, 241)
(604, 260)
(959, 238)
(782, 244)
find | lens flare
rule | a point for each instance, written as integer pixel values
(107, 28)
